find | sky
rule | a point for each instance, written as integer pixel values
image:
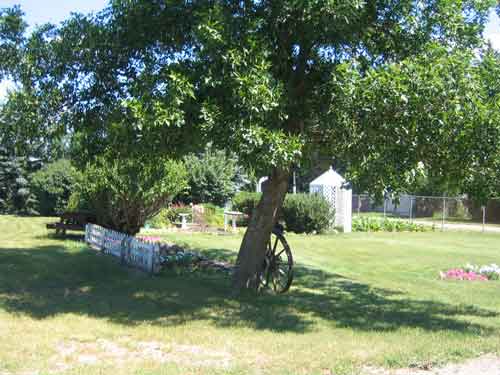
(42, 11)
(492, 30)
(55, 11)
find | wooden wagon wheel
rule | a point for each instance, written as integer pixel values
(278, 264)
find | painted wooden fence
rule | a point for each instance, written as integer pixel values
(131, 251)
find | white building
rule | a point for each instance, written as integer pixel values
(403, 208)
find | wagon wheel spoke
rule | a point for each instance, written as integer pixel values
(275, 244)
(279, 261)
(264, 274)
(274, 284)
(281, 252)
(285, 267)
(280, 275)
(268, 276)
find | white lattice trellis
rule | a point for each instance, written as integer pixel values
(331, 185)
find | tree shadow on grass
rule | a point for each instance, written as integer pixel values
(70, 236)
(46, 281)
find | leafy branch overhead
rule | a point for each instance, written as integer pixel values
(434, 115)
(260, 78)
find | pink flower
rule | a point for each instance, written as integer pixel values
(460, 274)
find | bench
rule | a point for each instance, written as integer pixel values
(72, 221)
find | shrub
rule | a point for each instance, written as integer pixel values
(124, 193)
(213, 177)
(160, 220)
(307, 213)
(378, 224)
(246, 202)
(53, 186)
(302, 213)
(214, 215)
(76, 201)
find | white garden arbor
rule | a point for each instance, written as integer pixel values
(332, 186)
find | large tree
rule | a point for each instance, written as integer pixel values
(33, 116)
(276, 82)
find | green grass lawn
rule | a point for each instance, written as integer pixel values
(357, 299)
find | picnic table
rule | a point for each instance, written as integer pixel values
(72, 221)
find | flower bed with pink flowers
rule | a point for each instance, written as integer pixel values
(472, 273)
(460, 274)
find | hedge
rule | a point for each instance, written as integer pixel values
(307, 213)
(301, 213)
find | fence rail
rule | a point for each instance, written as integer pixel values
(441, 212)
(132, 251)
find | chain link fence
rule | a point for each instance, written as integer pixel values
(443, 213)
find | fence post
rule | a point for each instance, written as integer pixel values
(124, 250)
(385, 202)
(155, 253)
(484, 217)
(444, 210)
(411, 208)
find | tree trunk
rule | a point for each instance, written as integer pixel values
(253, 246)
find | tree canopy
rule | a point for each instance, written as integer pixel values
(434, 115)
(255, 77)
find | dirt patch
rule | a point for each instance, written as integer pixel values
(484, 365)
(74, 353)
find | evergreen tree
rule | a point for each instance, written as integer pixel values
(15, 192)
